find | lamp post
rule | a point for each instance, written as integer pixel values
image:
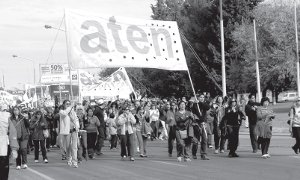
(16, 56)
(70, 75)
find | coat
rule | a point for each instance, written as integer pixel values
(68, 120)
(22, 127)
(264, 122)
(38, 125)
(126, 122)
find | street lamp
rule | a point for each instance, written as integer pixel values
(51, 27)
(16, 56)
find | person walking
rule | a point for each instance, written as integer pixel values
(154, 120)
(38, 124)
(126, 121)
(9, 144)
(22, 126)
(265, 116)
(69, 126)
(171, 110)
(250, 110)
(295, 125)
(99, 112)
(184, 132)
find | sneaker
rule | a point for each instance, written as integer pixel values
(179, 159)
(210, 146)
(204, 157)
(268, 155)
(194, 157)
(131, 159)
(69, 163)
(75, 165)
(45, 160)
(264, 156)
(235, 155)
(222, 151)
(187, 160)
(295, 150)
(143, 156)
(217, 151)
(36, 161)
(18, 167)
(124, 158)
(24, 166)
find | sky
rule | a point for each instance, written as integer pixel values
(22, 32)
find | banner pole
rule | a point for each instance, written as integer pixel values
(194, 91)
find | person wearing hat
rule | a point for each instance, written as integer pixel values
(99, 112)
(265, 116)
(232, 122)
(8, 139)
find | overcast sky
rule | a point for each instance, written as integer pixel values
(22, 31)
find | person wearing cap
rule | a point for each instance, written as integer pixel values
(126, 121)
(8, 139)
(99, 112)
(295, 125)
(232, 122)
(265, 116)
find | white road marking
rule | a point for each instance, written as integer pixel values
(162, 162)
(297, 157)
(40, 174)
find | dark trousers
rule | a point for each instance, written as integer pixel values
(219, 138)
(4, 166)
(127, 144)
(253, 136)
(155, 126)
(296, 135)
(183, 146)
(22, 152)
(233, 138)
(91, 141)
(113, 141)
(37, 144)
(171, 139)
(200, 135)
(100, 140)
(265, 143)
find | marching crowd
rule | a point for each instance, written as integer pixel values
(80, 130)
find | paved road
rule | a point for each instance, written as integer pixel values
(283, 165)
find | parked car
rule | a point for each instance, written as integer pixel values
(288, 96)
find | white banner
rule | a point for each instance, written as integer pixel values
(107, 41)
(56, 73)
(117, 84)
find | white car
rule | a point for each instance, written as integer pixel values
(288, 96)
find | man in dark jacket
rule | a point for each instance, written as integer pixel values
(99, 113)
(250, 110)
(200, 127)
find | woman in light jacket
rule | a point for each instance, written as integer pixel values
(126, 121)
(37, 124)
(265, 116)
(295, 125)
(22, 126)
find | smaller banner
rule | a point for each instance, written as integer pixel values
(57, 73)
(117, 84)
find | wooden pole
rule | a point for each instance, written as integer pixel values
(194, 91)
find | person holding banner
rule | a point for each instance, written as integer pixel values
(69, 126)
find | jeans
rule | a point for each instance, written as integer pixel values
(91, 141)
(200, 134)
(82, 145)
(4, 166)
(113, 141)
(265, 143)
(210, 130)
(253, 136)
(155, 126)
(70, 146)
(233, 138)
(183, 146)
(127, 144)
(22, 152)
(219, 138)
(139, 141)
(172, 137)
(100, 140)
(37, 144)
(296, 134)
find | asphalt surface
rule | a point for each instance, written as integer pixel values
(283, 165)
